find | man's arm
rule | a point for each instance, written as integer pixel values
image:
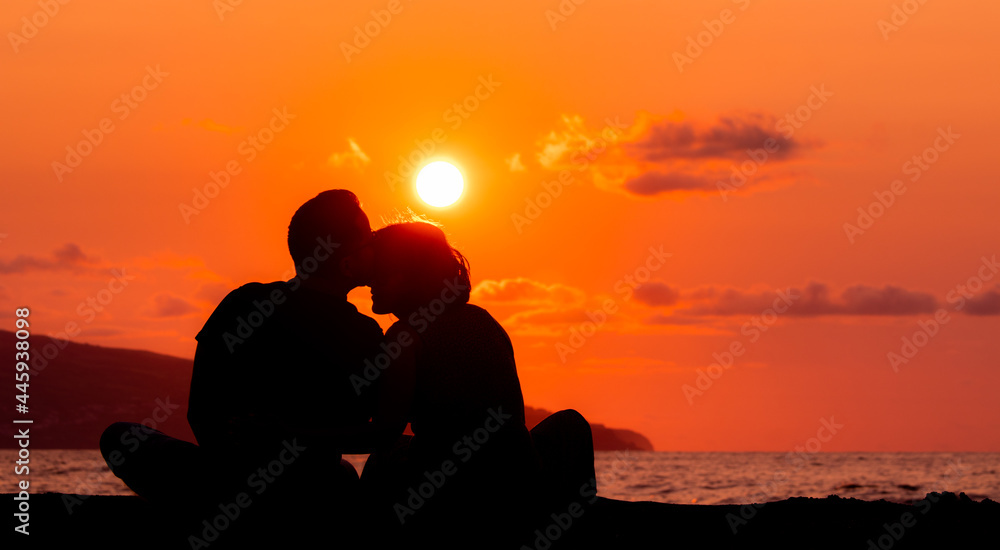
(207, 402)
(212, 407)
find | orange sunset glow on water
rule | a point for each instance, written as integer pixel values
(726, 225)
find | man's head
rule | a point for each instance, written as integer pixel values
(325, 232)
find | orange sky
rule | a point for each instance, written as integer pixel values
(641, 121)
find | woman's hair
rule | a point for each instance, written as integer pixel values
(420, 249)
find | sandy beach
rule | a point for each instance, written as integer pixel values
(938, 521)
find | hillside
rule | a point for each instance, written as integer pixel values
(84, 388)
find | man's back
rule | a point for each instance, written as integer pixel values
(274, 361)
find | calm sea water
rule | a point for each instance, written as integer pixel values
(702, 478)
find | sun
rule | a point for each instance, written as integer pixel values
(440, 184)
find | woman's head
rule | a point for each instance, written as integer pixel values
(415, 266)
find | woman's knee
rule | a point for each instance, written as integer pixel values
(565, 425)
(573, 419)
(112, 438)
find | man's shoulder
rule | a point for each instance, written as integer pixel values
(256, 291)
(239, 300)
(255, 288)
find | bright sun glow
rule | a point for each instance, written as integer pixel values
(440, 184)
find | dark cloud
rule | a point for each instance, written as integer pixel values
(816, 299)
(654, 183)
(888, 300)
(656, 293)
(729, 138)
(730, 301)
(69, 257)
(666, 155)
(70, 254)
(213, 292)
(987, 303)
(167, 305)
(677, 320)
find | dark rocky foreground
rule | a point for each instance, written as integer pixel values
(939, 521)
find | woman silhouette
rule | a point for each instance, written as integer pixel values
(471, 458)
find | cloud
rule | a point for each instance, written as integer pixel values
(672, 320)
(514, 163)
(69, 257)
(654, 183)
(815, 299)
(522, 291)
(889, 300)
(728, 301)
(987, 303)
(656, 293)
(167, 305)
(573, 143)
(549, 310)
(728, 138)
(213, 292)
(353, 155)
(668, 155)
(532, 307)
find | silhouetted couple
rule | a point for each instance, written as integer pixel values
(289, 376)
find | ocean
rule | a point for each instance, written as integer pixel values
(681, 478)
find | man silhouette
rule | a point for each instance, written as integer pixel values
(271, 403)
